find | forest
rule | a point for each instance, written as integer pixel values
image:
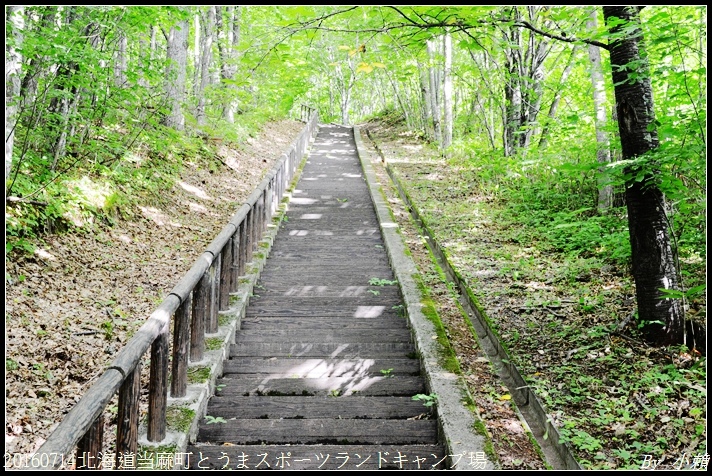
(575, 135)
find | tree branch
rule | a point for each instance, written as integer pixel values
(529, 26)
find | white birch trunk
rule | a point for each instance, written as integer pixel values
(176, 73)
(447, 92)
(206, 57)
(433, 96)
(120, 66)
(13, 69)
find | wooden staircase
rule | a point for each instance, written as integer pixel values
(323, 371)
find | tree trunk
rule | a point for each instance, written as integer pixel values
(653, 258)
(512, 93)
(177, 49)
(121, 64)
(447, 92)
(228, 39)
(196, 52)
(544, 139)
(401, 103)
(13, 70)
(426, 110)
(206, 48)
(433, 96)
(603, 154)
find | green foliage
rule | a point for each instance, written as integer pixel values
(382, 282)
(212, 420)
(428, 400)
(387, 372)
(11, 365)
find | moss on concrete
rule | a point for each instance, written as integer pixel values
(198, 374)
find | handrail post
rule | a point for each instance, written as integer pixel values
(226, 275)
(127, 426)
(197, 329)
(181, 345)
(211, 324)
(90, 446)
(158, 388)
(242, 268)
(250, 219)
(257, 225)
(235, 262)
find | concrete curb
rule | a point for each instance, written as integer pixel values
(457, 422)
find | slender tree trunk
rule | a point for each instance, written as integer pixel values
(15, 15)
(400, 101)
(177, 50)
(196, 52)
(426, 110)
(534, 93)
(121, 64)
(544, 140)
(447, 92)
(603, 155)
(433, 96)
(66, 101)
(229, 37)
(653, 257)
(489, 111)
(512, 93)
(206, 47)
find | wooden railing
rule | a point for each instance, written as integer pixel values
(193, 304)
(306, 112)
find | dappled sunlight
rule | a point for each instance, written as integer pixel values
(514, 426)
(352, 291)
(158, 217)
(198, 192)
(304, 290)
(313, 232)
(195, 207)
(44, 254)
(304, 201)
(320, 368)
(352, 175)
(310, 216)
(369, 312)
(345, 376)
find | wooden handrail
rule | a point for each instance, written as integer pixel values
(193, 303)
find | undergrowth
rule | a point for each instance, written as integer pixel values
(102, 182)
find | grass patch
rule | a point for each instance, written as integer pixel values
(198, 375)
(179, 418)
(214, 343)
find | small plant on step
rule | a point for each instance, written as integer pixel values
(428, 400)
(211, 419)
